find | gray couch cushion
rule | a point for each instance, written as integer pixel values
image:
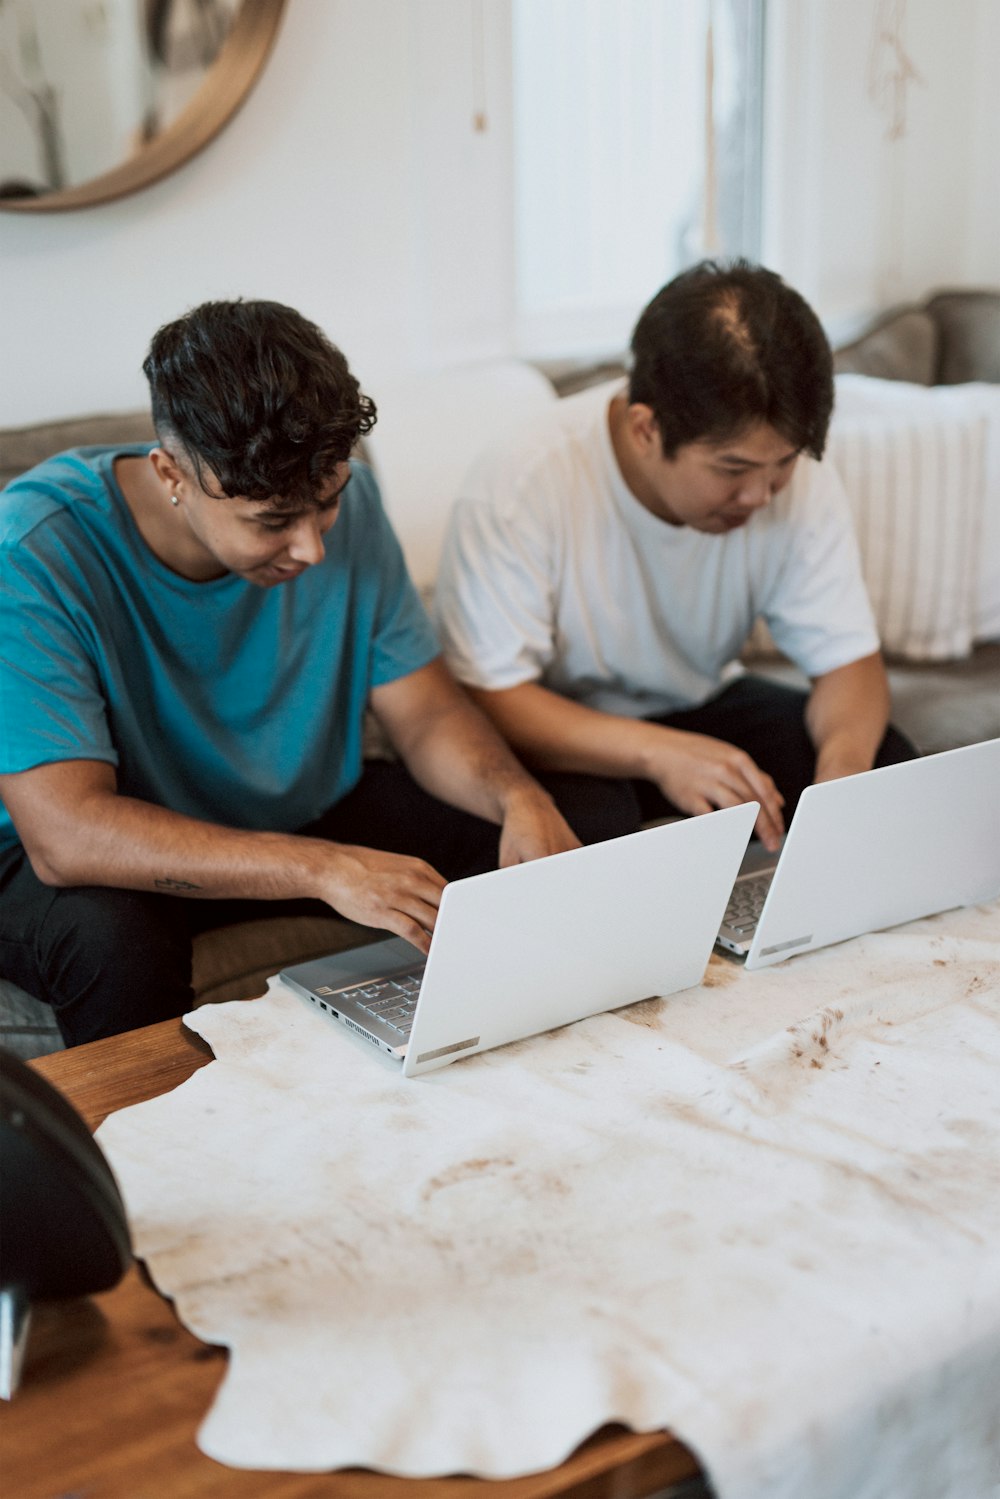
(27, 1026)
(567, 376)
(901, 346)
(969, 327)
(22, 447)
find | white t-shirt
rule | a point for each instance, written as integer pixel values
(553, 572)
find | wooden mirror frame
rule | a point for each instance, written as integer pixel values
(228, 82)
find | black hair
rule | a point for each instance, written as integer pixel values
(727, 345)
(258, 395)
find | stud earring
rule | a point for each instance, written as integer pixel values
(174, 500)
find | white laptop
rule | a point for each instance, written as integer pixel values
(538, 945)
(870, 851)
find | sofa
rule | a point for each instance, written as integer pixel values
(925, 379)
(892, 379)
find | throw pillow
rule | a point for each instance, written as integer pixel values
(902, 347)
(969, 326)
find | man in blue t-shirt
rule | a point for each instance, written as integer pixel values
(189, 638)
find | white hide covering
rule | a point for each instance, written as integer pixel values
(764, 1213)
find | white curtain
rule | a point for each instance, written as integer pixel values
(623, 111)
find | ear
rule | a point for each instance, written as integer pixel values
(167, 470)
(644, 430)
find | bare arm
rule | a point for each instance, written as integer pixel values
(693, 771)
(847, 715)
(455, 753)
(77, 830)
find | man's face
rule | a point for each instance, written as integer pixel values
(260, 540)
(717, 486)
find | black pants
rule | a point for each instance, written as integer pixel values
(110, 960)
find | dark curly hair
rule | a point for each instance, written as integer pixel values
(726, 345)
(259, 396)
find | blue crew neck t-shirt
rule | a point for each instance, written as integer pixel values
(228, 702)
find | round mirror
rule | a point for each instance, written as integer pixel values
(101, 97)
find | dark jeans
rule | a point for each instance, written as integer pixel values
(110, 960)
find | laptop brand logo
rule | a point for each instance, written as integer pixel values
(447, 1051)
(766, 952)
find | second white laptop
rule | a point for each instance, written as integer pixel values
(871, 851)
(522, 950)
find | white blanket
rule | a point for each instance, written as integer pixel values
(764, 1213)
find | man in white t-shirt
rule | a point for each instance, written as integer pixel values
(603, 571)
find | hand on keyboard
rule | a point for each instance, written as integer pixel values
(699, 774)
(392, 891)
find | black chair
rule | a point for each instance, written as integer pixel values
(63, 1230)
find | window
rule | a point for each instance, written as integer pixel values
(637, 130)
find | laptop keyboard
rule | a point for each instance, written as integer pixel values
(747, 902)
(392, 1001)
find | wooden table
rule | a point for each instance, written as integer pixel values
(114, 1388)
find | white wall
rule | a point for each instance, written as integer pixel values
(353, 185)
(853, 218)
